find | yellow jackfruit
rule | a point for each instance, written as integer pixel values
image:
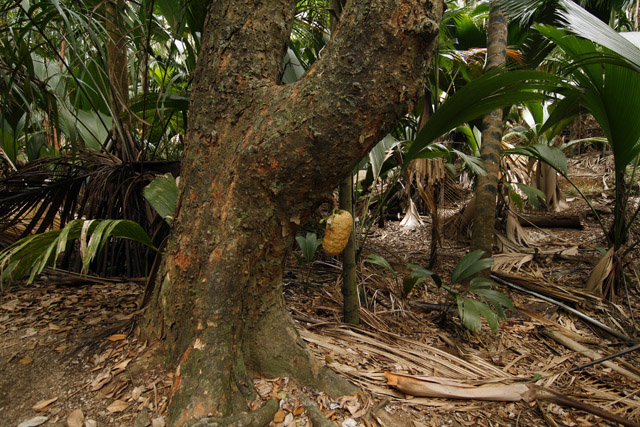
(337, 232)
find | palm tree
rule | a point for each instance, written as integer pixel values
(487, 186)
(97, 109)
(603, 66)
(607, 83)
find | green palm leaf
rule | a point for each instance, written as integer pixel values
(610, 91)
(482, 95)
(582, 23)
(32, 254)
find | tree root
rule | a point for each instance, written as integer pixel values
(258, 418)
(371, 413)
(315, 415)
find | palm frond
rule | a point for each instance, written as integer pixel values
(582, 23)
(32, 254)
(487, 93)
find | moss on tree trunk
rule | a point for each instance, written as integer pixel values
(258, 158)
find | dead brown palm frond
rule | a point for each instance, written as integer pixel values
(511, 261)
(51, 192)
(36, 198)
(426, 176)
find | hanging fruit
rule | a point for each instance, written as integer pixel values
(337, 232)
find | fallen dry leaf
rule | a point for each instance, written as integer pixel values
(117, 337)
(33, 422)
(26, 360)
(103, 378)
(11, 305)
(75, 418)
(122, 365)
(136, 393)
(158, 422)
(351, 403)
(117, 406)
(42, 405)
(29, 332)
(449, 389)
(279, 416)
(289, 420)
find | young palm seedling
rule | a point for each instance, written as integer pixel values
(308, 244)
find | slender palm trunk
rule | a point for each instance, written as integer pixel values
(117, 58)
(351, 301)
(487, 186)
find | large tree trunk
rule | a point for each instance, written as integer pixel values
(258, 158)
(487, 186)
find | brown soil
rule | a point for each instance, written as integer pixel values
(69, 352)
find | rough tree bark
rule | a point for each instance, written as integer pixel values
(351, 300)
(258, 158)
(487, 186)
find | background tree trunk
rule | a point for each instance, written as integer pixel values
(487, 186)
(258, 158)
(351, 300)
(117, 57)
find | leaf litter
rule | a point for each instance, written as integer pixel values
(88, 368)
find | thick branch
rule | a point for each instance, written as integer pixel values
(368, 77)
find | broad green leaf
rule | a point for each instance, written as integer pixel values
(516, 199)
(480, 282)
(610, 90)
(162, 194)
(533, 194)
(380, 153)
(496, 298)
(473, 138)
(420, 271)
(552, 156)
(30, 255)
(93, 128)
(379, 260)
(35, 144)
(308, 245)
(469, 265)
(588, 26)
(490, 91)
(469, 313)
(474, 163)
(410, 282)
(487, 313)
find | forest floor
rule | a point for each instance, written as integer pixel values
(69, 355)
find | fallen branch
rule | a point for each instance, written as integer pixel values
(604, 359)
(444, 388)
(581, 315)
(551, 221)
(575, 346)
